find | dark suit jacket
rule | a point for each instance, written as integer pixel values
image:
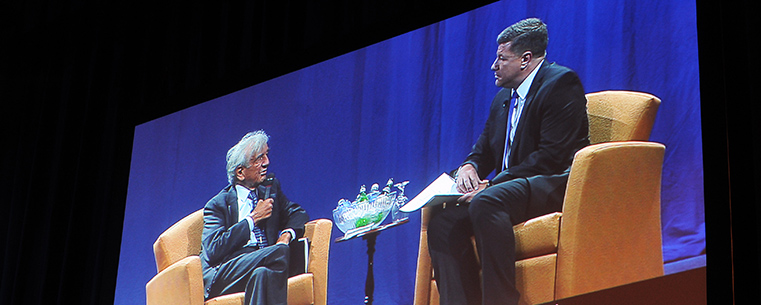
(552, 128)
(224, 236)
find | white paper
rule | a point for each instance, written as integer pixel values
(441, 190)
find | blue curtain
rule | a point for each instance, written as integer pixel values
(410, 108)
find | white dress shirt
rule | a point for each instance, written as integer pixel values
(245, 207)
(522, 91)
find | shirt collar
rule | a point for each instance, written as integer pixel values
(242, 192)
(526, 84)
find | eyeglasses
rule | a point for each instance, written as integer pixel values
(260, 158)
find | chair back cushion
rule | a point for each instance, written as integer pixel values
(181, 240)
(620, 116)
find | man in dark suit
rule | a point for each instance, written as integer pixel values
(247, 228)
(536, 124)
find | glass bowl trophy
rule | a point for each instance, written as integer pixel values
(363, 217)
(369, 210)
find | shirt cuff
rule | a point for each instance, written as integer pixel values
(251, 235)
(289, 230)
(475, 166)
(250, 221)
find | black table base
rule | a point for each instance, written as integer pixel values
(370, 280)
(370, 236)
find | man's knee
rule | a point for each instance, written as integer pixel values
(281, 250)
(491, 210)
(280, 254)
(483, 202)
(510, 197)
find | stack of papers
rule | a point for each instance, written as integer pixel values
(442, 190)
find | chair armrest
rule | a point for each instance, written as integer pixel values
(180, 283)
(610, 233)
(301, 289)
(318, 231)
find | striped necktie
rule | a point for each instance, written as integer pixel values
(508, 130)
(261, 239)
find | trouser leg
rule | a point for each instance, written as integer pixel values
(262, 275)
(493, 213)
(452, 256)
(268, 284)
(489, 218)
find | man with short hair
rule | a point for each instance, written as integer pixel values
(536, 124)
(247, 228)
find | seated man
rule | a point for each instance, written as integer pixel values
(536, 124)
(247, 228)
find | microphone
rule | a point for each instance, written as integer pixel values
(267, 183)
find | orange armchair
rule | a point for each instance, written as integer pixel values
(180, 281)
(609, 231)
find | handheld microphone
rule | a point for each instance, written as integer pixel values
(267, 183)
(269, 179)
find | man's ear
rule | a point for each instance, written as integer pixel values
(239, 173)
(526, 59)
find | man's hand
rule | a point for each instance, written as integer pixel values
(285, 238)
(262, 211)
(467, 179)
(469, 195)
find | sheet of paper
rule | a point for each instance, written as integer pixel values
(441, 190)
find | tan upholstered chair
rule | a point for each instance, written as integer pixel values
(609, 232)
(180, 280)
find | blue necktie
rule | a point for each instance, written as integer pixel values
(258, 232)
(508, 142)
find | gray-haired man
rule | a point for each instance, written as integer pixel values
(247, 228)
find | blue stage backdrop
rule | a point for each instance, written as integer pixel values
(410, 108)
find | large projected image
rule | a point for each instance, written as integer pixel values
(411, 108)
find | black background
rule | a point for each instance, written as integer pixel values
(77, 76)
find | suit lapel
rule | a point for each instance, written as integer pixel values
(533, 89)
(500, 130)
(538, 80)
(232, 206)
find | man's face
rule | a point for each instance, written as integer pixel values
(507, 68)
(256, 172)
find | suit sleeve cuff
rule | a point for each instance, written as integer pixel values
(466, 163)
